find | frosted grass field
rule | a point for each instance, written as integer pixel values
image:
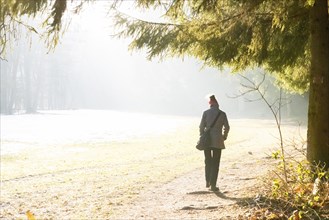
(90, 164)
(47, 128)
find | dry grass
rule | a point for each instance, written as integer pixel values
(91, 180)
(97, 180)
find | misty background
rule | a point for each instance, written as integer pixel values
(90, 69)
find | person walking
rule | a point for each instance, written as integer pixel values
(218, 134)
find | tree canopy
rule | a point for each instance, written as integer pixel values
(13, 14)
(239, 34)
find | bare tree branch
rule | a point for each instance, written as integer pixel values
(275, 108)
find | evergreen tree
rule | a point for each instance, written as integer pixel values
(288, 38)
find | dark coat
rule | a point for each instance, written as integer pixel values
(219, 131)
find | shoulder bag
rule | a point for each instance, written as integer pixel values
(204, 139)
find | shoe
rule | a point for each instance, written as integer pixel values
(208, 184)
(214, 189)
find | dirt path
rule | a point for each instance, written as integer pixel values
(186, 197)
(180, 199)
(245, 161)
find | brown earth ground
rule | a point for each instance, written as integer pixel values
(158, 177)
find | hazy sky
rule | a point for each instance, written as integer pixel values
(128, 80)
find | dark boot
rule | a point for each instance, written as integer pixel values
(214, 189)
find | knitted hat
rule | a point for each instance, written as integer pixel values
(212, 99)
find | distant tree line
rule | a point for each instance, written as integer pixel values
(31, 81)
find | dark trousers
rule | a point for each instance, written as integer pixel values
(212, 159)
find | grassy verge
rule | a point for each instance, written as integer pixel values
(304, 196)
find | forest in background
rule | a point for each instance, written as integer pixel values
(74, 76)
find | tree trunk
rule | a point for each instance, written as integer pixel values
(318, 115)
(4, 82)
